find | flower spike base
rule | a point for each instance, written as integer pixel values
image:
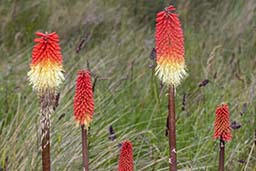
(172, 129)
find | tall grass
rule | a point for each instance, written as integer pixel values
(220, 42)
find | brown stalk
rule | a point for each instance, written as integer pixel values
(46, 160)
(222, 155)
(172, 130)
(47, 104)
(85, 149)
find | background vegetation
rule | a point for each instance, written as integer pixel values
(220, 40)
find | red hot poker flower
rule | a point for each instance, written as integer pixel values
(169, 47)
(46, 66)
(83, 101)
(222, 127)
(126, 157)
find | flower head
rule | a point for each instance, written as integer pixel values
(126, 157)
(222, 127)
(169, 48)
(46, 70)
(83, 101)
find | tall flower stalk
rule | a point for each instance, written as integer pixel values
(170, 67)
(125, 162)
(222, 131)
(83, 110)
(46, 75)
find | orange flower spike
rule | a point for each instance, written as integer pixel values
(222, 127)
(169, 48)
(83, 101)
(126, 157)
(46, 66)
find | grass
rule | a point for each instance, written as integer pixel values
(220, 42)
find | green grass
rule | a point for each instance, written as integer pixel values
(220, 42)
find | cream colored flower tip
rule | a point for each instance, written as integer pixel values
(45, 78)
(171, 74)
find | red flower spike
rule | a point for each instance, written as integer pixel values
(46, 70)
(222, 127)
(169, 47)
(126, 157)
(47, 48)
(83, 101)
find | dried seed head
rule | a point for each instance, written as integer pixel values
(112, 135)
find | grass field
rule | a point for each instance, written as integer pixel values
(220, 44)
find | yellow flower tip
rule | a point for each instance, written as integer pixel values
(171, 73)
(85, 121)
(45, 77)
